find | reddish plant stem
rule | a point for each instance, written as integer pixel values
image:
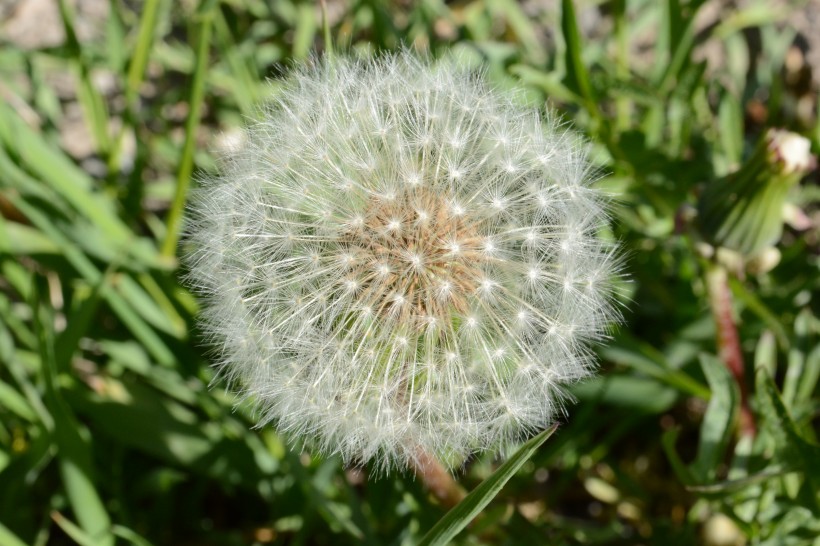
(437, 479)
(728, 341)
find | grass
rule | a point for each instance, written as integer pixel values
(109, 432)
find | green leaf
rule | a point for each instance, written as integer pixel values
(521, 25)
(794, 449)
(8, 538)
(195, 103)
(140, 418)
(305, 31)
(716, 429)
(20, 239)
(766, 352)
(74, 532)
(577, 75)
(668, 441)
(59, 173)
(16, 403)
(648, 361)
(730, 118)
(457, 519)
(130, 535)
(119, 304)
(797, 372)
(639, 394)
(732, 486)
(757, 307)
(75, 453)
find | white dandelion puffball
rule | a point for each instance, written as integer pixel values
(399, 261)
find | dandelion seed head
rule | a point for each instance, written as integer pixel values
(399, 259)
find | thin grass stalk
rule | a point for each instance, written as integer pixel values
(186, 165)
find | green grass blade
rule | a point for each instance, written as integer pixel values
(796, 372)
(74, 452)
(15, 403)
(93, 102)
(145, 39)
(668, 441)
(20, 239)
(8, 538)
(457, 519)
(811, 375)
(186, 166)
(71, 529)
(577, 76)
(760, 309)
(119, 304)
(305, 32)
(129, 535)
(59, 173)
(635, 356)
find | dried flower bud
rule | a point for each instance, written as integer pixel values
(400, 261)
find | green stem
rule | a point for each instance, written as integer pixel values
(186, 165)
(136, 72)
(326, 30)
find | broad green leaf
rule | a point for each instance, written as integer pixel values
(719, 419)
(141, 418)
(639, 394)
(796, 367)
(794, 449)
(653, 364)
(460, 516)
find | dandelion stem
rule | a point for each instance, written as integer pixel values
(437, 480)
(728, 341)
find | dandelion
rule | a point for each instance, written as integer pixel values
(401, 262)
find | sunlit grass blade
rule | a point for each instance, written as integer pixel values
(120, 305)
(459, 517)
(186, 164)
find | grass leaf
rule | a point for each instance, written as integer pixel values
(459, 517)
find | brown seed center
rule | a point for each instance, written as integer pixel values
(417, 257)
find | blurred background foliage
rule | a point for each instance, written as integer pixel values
(109, 431)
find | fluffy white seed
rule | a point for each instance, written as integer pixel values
(401, 262)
